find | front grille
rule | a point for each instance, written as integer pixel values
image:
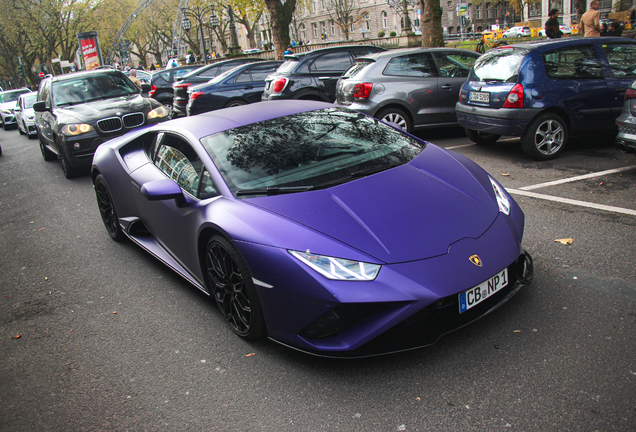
(109, 125)
(133, 120)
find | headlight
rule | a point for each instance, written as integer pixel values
(158, 112)
(503, 201)
(338, 268)
(76, 129)
(7, 111)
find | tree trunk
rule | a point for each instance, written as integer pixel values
(281, 15)
(432, 33)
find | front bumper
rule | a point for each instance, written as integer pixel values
(498, 121)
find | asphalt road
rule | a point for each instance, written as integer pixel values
(110, 339)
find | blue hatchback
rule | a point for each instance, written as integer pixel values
(544, 91)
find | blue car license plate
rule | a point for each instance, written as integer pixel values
(481, 292)
(474, 96)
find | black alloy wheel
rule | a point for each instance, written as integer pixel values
(68, 169)
(107, 209)
(231, 287)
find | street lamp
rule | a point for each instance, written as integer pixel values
(198, 13)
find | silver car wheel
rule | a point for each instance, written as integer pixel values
(549, 137)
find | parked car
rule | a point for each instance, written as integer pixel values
(411, 87)
(565, 29)
(199, 76)
(544, 91)
(291, 216)
(8, 100)
(24, 114)
(313, 74)
(626, 122)
(517, 32)
(239, 86)
(77, 112)
(161, 84)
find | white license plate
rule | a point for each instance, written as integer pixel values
(479, 96)
(481, 292)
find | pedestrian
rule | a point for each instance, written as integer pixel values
(616, 29)
(152, 67)
(289, 50)
(590, 21)
(552, 29)
(632, 18)
(133, 78)
(604, 29)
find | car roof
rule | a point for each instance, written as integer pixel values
(405, 51)
(211, 65)
(212, 122)
(82, 74)
(330, 49)
(572, 40)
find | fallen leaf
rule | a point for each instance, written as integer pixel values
(114, 312)
(517, 331)
(41, 229)
(601, 183)
(250, 354)
(505, 174)
(565, 241)
(31, 222)
(16, 336)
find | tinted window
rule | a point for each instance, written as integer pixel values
(412, 65)
(178, 160)
(356, 68)
(161, 79)
(364, 51)
(288, 66)
(226, 67)
(210, 73)
(499, 65)
(579, 62)
(260, 72)
(28, 101)
(454, 64)
(338, 61)
(621, 59)
(243, 77)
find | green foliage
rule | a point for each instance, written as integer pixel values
(381, 33)
(393, 33)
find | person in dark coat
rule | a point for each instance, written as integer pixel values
(552, 29)
(615, 29)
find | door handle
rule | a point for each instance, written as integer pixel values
(447, 87)
(324, 78)
(248, 87)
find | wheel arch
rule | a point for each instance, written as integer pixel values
(555, 110)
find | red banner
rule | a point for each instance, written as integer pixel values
(89, 52)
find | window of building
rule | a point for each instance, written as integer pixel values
(314, 28)
(385, 20)
(332, 27)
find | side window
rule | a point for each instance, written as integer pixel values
(260, 72)
(181, 72)
(161, 79)
(43, 94)
(227, 67)
(454, 64)
(210, 73)
(243, 77)
(363, 51)
(178, 160)
(412, 65)
(578, 62)
(621, 59)
(338, 61)
(206, 187)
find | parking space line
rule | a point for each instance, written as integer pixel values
(573, 202)
(581, 177)
(459, 146)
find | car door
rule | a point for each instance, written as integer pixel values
(412, 79)
(577, 84)
(620, 59)
(45, 120)
(326, 70)
(252, 80)
(453, 69)
(172, 225)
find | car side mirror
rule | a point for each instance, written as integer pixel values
(165, 189)
(40, 106)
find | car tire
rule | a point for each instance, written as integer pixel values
(107, 209)
(232, 288)
(481, 138)
(19, 130)
(170, 109)
(545, 137)
(47, 154)
(69, 170)
(234, 103)
(397, 116)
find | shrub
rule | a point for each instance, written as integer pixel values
(381, 33)
(393, 34)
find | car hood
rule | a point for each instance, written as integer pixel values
(8, 105)
(411, 212)
(108, 107)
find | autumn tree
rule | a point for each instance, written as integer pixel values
(345, 13)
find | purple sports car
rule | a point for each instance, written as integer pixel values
(317, 226)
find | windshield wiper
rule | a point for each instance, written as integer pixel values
(375, 170)
(273, 190)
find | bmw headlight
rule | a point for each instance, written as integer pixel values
(503, 200)
(7, 111)
(338, 268)
(158, 112)
(75, 129)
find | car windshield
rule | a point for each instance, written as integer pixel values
(501, 64)
(288, 66)
(29, 101)
(94, 87)
(11, 96)
(310, 150)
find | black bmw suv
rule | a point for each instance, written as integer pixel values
(75, 113)
(313, 74)
(200, 76)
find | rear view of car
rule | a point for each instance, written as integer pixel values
(626, 122)
(313, 75)
(412, 88)
(161, 84)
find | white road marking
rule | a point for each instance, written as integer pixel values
(573, 202)
(581, 177)
(459, 146)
